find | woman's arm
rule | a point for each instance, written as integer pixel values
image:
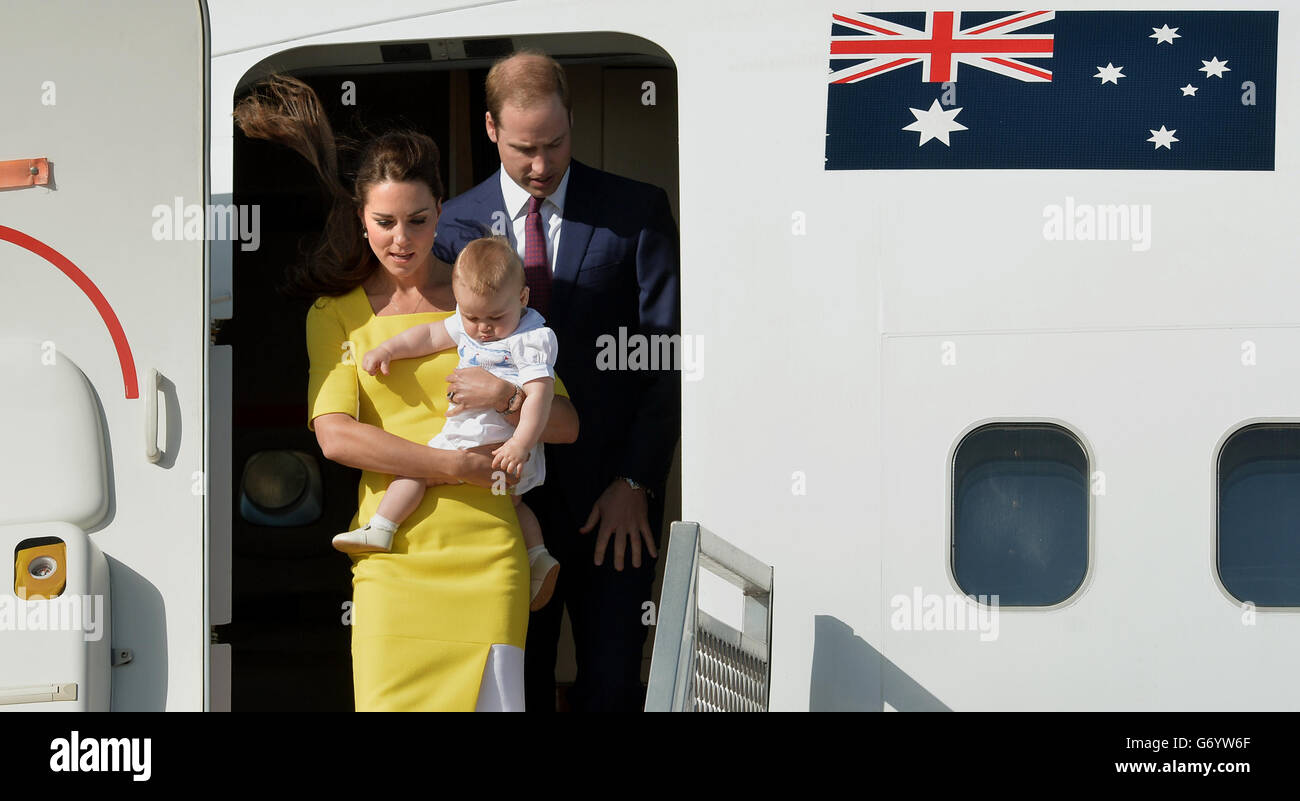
(346, 441)
(561, 424)
(476, 388)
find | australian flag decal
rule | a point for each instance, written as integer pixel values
(1073, 90)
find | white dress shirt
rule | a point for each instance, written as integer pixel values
(516, 199)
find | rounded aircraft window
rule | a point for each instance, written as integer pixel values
(280, 488)
(274, 479)
(1259, 515)
(1020, 514)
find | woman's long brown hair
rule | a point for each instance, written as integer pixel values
(286, 110)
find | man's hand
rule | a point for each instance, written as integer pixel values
(376, 360)
(621, 511)
(511, 457)
(476, 388)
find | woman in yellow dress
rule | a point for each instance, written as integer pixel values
(439, 621)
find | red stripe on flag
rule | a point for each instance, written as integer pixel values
(874, 70)
(1022, 68)
(870, 47)
(941, 34)
(1004, 22)
(863, 25)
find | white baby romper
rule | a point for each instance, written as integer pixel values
(526, 355)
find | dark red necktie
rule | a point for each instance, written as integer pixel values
(536, 272)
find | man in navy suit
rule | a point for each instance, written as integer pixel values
(601, 258)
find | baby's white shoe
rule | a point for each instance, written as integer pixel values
(544, 570)
(367, 539)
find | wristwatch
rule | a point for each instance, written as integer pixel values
(510, 404)
(635, 485)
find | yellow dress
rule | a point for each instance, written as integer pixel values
(426, 614)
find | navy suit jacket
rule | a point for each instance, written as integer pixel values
(617, 268)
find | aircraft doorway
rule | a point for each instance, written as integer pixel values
(289, 635)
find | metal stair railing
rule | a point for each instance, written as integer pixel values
(701, 664)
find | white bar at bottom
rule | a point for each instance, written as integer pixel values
(38, 694)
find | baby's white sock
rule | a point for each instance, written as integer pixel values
(534, 552)
(383, 524)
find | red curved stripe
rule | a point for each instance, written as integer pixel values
(79, 278)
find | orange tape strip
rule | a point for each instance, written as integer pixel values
(24, 172)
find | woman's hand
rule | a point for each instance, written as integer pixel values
(479, 467)
(476, 388)
(361, 445)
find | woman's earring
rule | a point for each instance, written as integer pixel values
(364, 235)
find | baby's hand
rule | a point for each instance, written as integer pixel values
(510, 457)
(376, 360)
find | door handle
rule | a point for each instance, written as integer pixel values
(151, 451)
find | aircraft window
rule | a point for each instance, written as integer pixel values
(281, 488)
(1020, 514)
(1259, 515)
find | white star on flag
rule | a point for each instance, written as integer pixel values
(934, 123)
(1109, 74)
(1165, 34)
(1214, 67)
(1163, 138)
(1189, 91)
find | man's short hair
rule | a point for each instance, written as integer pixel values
(525, 78)
(486, 266)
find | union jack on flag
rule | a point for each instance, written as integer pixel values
(885, 46)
